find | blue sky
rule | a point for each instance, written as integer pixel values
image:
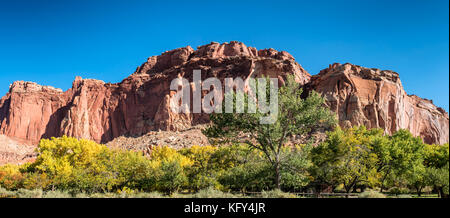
(51, 42)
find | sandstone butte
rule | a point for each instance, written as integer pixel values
(138, 105)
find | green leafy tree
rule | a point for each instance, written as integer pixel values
(84, 166)
(397, 155)
(437, 168)
(346, 158)
(430, 172)
(296, 116)
(436, 155)
(250, 173)
(172, 177)
(131, 170)
(294, 167)
(170, 169)
(439, 179)
(73, 164)
(418, 177)
(203, 173)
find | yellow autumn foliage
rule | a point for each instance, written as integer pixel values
(167, 154)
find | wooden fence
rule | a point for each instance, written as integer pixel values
(303, 194)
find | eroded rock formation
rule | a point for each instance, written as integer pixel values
(101, 111)
(138, 105)
(376, 98)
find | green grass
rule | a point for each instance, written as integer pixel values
(205, 193)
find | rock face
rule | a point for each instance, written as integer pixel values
(139, 104)
(27, 111)
(15, 152)
(376, 98)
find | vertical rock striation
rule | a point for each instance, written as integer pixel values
(139, 104)
(100, 111)
(376, 98)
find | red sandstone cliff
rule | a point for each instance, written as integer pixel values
(99, 111)
(376, 98)
(139, 104)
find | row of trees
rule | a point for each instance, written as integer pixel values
(361, 158)
(69, 164)
(347, 160)
(256, 159)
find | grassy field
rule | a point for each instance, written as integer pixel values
(206, 193)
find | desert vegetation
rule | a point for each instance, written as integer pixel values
(356, 160)
(361, 161)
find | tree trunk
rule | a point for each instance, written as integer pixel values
(347, 193)
(442, 194)
(317, 190)
(436, 189)
(277, 174)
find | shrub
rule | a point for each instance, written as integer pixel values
(277, 193)
(57, 194)
(104, 195)
(404, 196)
(371, 194)
(82, 195)
(25, 193)
(399, 191)
(148, 195)
(180, 195)
(36, 181)
(11, 177)
(212, 193)
(4, 193)
(21, 193)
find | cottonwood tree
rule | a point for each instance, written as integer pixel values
(417, 178)
(346, 158)
(436, 161)
(397, 156)
(296, 116)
